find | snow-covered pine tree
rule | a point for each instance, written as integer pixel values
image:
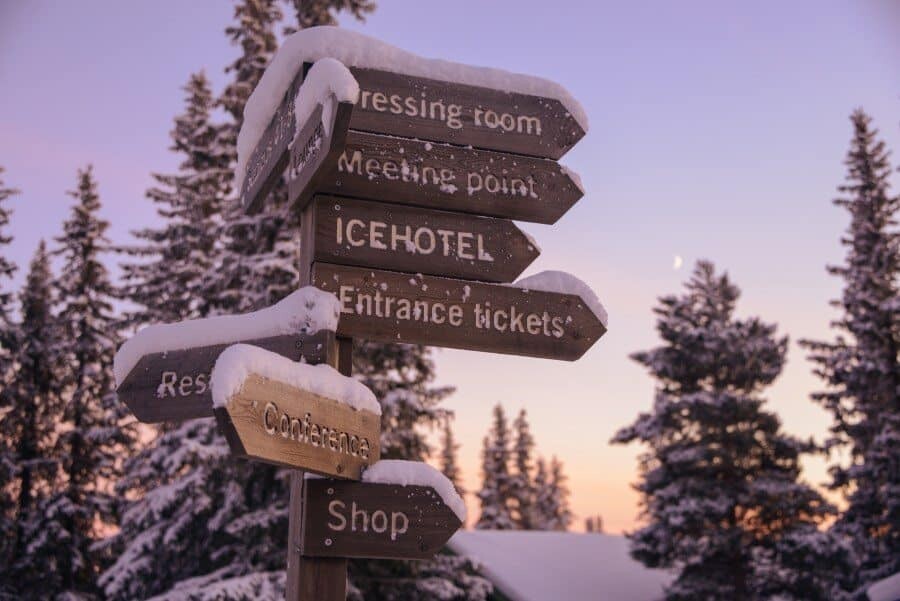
(449, 463)
(861, 367)
(522, 484)
(312, 13)
(7, 269)
(261, 252)
(28, 430)
(92, 437)
(496, 494)
(558, 514)
(170, 280)
(542, 510)
(8, 343)
(720, 481)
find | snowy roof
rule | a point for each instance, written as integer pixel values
(548, 566)
(885, 590)
(357, 50)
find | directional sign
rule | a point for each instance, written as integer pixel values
(386, 521)
(174, 385)
(401, 238)
(428, 109)
(277, 423)
(398, 307)
(311, 154)
(316, 149)
(442, 176)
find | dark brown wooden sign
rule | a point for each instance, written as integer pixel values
(306, 156)
(452, 178)
(428, 109)
(378, 521)
(174, 385)
(316, 149)
(398, 307)
(277, 423)
(269, 159)
(402, 238)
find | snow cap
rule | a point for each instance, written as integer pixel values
(357, 50)
(566, 283)
(239, 361)
(305, 311)
(416, 473)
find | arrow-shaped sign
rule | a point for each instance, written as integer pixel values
(398, 307)
(402, 238)
(452, 178)
(378, 521)
(285, 425)
(163, 371)
(174, 385)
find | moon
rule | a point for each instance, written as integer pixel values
(678, 262)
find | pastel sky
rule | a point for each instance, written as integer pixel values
(718, 131)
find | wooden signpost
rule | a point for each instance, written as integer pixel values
(401, 307)
(276, 423)
(401, 238)
(405, 198)
(174, 385)
(387, 521)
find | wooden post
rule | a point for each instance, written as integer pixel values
(313, 578)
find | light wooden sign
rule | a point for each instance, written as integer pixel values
(398, 307)
(273, 422)
(401, 238)
(387, 521)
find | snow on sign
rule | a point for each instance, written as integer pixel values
(452, 178)
(520, 320)
(303, 416)
(381, 520)
(419, 107)
(401, 238)
(163, 371)
(305, 136)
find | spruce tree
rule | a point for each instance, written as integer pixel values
(496, 494)
(173, 278)
(522, 485)
(861, 367)
(312, 13)
(8, 344)
(261, 252)
(449, 464)
(542, 510)
(92, 438)
(7, 269)
(558, 515)
(28, 429)
(720, 481)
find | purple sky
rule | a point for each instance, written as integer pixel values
(716, 132)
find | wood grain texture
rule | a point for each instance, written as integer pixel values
(414, 240)
(254, 425)
(378, 521)
(174, 385)
(452, 313)
(452, 178)
(392, 103)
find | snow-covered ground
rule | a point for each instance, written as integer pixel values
(551, 566)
